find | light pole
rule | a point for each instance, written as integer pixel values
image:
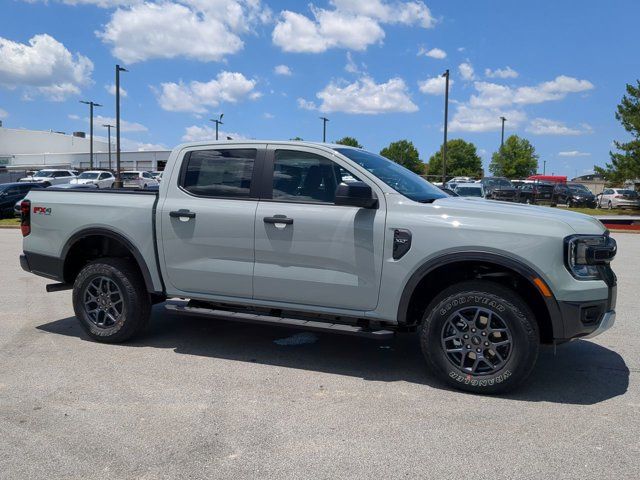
(502, 137)
(446, 122)
(118, 182)
(324, 128)
(217, 122)
(544, 167)
(91, 105)
(109, 127)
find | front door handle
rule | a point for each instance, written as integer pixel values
(278, 219)
(182, 213)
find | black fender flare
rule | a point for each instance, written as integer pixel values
(105, 232)
(517, 266)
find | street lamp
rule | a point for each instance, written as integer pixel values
(544, 167)
(446, 122)
(502, 137)
(324, 128)
(91, 105)
(109, 127)
(217, 122)
(118, 182)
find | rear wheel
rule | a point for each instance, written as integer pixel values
(480, 336)
(110, 300)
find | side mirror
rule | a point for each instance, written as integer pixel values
(355, 194)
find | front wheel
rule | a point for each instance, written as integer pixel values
(480, 337)
(110, 300)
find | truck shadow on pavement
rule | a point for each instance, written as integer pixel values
(581, 372)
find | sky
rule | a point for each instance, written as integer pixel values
(555, 69)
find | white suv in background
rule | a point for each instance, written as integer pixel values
(99, 178)
(137, 179)
(50, 176)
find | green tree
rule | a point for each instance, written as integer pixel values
(462, 160)
(625, 164)
(404, 153)
(517, 158)
(350, 141)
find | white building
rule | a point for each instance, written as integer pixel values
(34, 149)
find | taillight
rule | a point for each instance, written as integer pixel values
(25, 217)
(618, 196)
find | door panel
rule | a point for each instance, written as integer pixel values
(211, 253)
(329, 255)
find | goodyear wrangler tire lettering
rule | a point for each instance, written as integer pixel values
(480, 336)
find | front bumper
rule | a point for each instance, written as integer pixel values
(606, 323)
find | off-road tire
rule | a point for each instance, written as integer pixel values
(513, 312)
(135, 299)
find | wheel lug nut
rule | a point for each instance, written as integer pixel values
(473, 330)
(478, 350)
(466, 336)
(468, 346)
(484, 333)
(486, 344)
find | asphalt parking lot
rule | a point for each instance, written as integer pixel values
(199, 398)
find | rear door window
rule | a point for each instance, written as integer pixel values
(219, 172)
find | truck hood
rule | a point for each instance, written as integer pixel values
(515, 213)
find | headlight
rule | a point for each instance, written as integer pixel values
(586, 255)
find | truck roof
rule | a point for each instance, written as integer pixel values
(302, 143)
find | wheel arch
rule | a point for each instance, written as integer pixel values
(92, 243)
(434, 275)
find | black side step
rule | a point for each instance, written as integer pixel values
(58, 287)
(283, 322)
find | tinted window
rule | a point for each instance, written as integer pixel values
(305, 177)
(396, 176)
(219, 173)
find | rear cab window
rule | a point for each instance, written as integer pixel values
(218, 172)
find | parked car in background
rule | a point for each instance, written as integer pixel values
(137, 179)
(618, 198)
(10, 193)
(50, 176)
(498, 188)
(469, 190)
(579, 196)
(156, 174)
(99, 178)
(534, 193)
(448, 191)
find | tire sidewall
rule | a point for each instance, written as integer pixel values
(132, 312)
(522, 327)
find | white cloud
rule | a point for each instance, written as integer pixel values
(466, 71)
(495, 95)
(282, 70)
(125, 125)
(545, 126)
(433, 53)
(268, 116)
(352, 24)
(479, 119)
(351, 65)
(111, 88)
(197, 29)
(197, 133)
(73, 116)
(574, 153)
(506, 72)
(230, 87)
(434, 85)
(43, 66)
(306, 104)
(364, 96)
(3, 113)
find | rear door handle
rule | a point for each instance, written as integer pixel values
(182, 214)
(278, 219)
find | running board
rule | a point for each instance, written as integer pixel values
(283, 322)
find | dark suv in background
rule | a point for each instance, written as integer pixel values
(10, 193)
(573, 195)
(535, 193)
(498, 188)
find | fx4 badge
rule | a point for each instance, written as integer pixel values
(42, 210)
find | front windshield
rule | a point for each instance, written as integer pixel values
(469, 191)
(498, 182)
(396, 176)
(43, 174)
(578, 189)
(88, 175)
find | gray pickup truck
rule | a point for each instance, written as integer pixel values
(333, 238)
